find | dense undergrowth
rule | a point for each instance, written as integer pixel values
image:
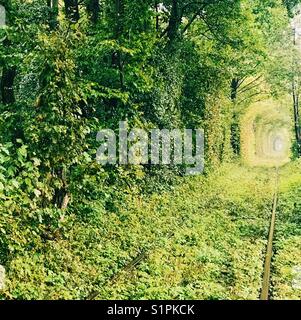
(287, 259)
(204, 240)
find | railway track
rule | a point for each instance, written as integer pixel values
(265, 292)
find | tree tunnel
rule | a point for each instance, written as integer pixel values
(266, 132)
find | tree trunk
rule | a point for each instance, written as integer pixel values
(296, 107)
(235, 130)
(72, 10)
(117, 56)
(54, 6)
(9, 73)
(93, 9)
(235, 134)
(7, 84)
(119, 11)
(297, 118)
(234, 88)
(157, 16)
(174, 21)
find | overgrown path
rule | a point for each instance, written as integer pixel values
(205, 239)
(198, 260)
(218, 252)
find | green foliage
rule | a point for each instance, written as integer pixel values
(68, 224)
(288, 237)
(205, 245)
